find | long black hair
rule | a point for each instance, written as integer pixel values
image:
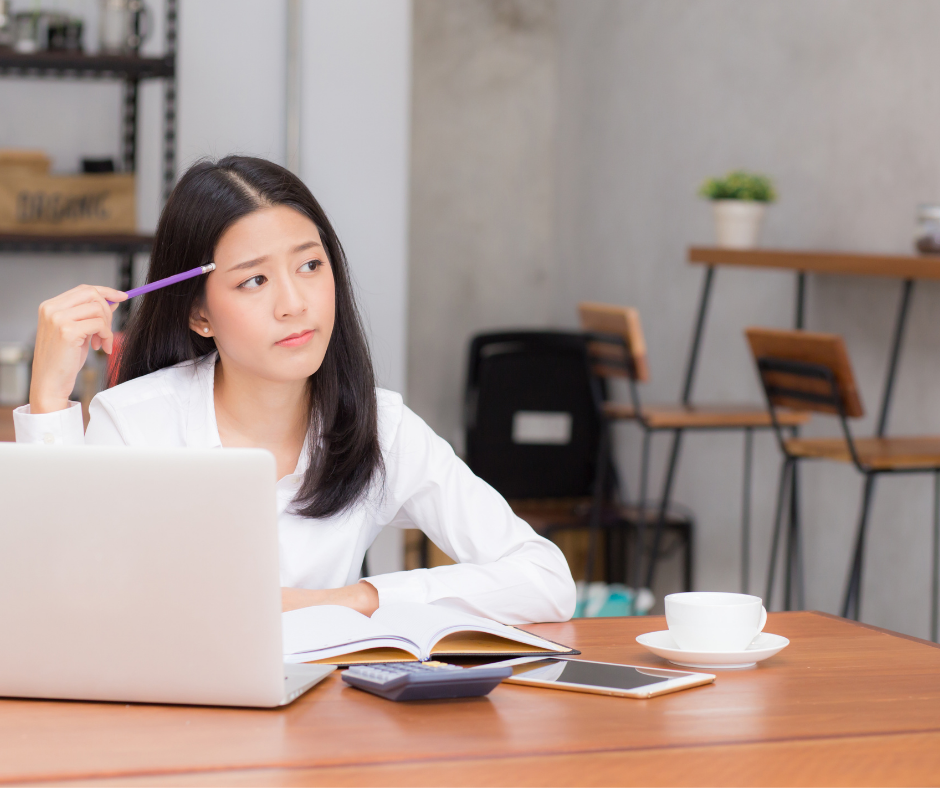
(343, 425)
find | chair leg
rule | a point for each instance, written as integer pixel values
(746, 511)
(640, 542)
(778, 525)
(851, 607)
(794, 572)
(935, 586)
(689, 556)
(594, 517)
(663, 507)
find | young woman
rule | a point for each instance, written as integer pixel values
(268, 351)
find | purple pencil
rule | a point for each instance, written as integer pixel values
(170, 280)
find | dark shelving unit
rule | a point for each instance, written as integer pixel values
(121, 244)
(129, 70)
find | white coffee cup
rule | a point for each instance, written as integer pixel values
(714, 621)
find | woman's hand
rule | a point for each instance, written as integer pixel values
(361, 597)
(69, 325)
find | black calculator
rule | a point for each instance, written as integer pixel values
(425, 680)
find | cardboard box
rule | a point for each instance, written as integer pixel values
(31, 161)
(66, 204)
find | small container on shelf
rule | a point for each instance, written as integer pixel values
(14, 373)
(927, 236)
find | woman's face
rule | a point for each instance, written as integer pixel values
(271, 301)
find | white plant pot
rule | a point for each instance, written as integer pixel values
(737, 222)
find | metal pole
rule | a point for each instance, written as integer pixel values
(852, 605)
(697, 335)
(169, 104)
(899, 326)
(641, 516)
(294, 95)
(799, 319)
(935, 585)
(746, 511)
(788, 466)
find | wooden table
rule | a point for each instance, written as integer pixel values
(844, 704)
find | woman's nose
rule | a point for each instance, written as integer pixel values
(289, 300)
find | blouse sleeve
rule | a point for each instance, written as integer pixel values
(66, 428)
(504, 571)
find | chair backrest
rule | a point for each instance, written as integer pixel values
(805, 371)
(532, 414)
(618, 349)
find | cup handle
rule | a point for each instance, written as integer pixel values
(763, 619)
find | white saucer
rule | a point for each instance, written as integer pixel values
(765, 645)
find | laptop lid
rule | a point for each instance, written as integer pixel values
(140, 575)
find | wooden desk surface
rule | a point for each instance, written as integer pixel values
(843, 704)
(850, 263)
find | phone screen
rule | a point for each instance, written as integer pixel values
(595, 674)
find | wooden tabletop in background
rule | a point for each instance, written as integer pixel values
(844, 704)
(897, 266)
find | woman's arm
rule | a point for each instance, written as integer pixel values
(361, 597)
(505, 571)
(69, 325)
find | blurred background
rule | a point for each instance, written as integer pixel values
(491, 164)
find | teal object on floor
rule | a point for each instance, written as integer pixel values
(619, 602)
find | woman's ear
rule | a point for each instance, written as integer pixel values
(200, 324)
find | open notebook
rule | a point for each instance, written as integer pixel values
(402, 632)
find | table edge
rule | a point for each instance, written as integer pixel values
(874, 628)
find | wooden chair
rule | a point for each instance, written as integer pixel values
(618, 350)
(811, 372)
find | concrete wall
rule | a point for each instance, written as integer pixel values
(835, 100)
(482, 193)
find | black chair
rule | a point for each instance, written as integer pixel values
(535, 431)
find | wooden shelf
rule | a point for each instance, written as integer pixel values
(851, 263)
(6, 424)
(72, 244)
(77, 64)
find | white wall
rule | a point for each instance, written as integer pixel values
(231, 93)
(355, 122)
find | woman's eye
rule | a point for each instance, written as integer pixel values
(251, 284)
(311, 265)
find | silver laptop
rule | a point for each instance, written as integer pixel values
(142, 575)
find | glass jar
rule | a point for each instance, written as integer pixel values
(927, 236)
(14, 373)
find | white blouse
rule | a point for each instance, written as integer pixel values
(505, 571)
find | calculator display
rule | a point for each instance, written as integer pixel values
(594, 674)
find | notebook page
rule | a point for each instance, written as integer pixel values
(425, 625)
(334, 630)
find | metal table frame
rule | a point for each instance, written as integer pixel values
(908, 269)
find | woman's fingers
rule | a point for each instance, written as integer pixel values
(81, 295)
(111, 294)
(65, 319)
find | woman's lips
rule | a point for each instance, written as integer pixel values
(295, 340)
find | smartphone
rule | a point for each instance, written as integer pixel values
(601, 678)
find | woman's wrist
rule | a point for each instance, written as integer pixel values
(361, 597)
(39, 404)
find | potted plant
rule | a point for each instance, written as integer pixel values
(739, 200)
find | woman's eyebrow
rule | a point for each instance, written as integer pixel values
(308, 245)
(248, 264)
(259, 260)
